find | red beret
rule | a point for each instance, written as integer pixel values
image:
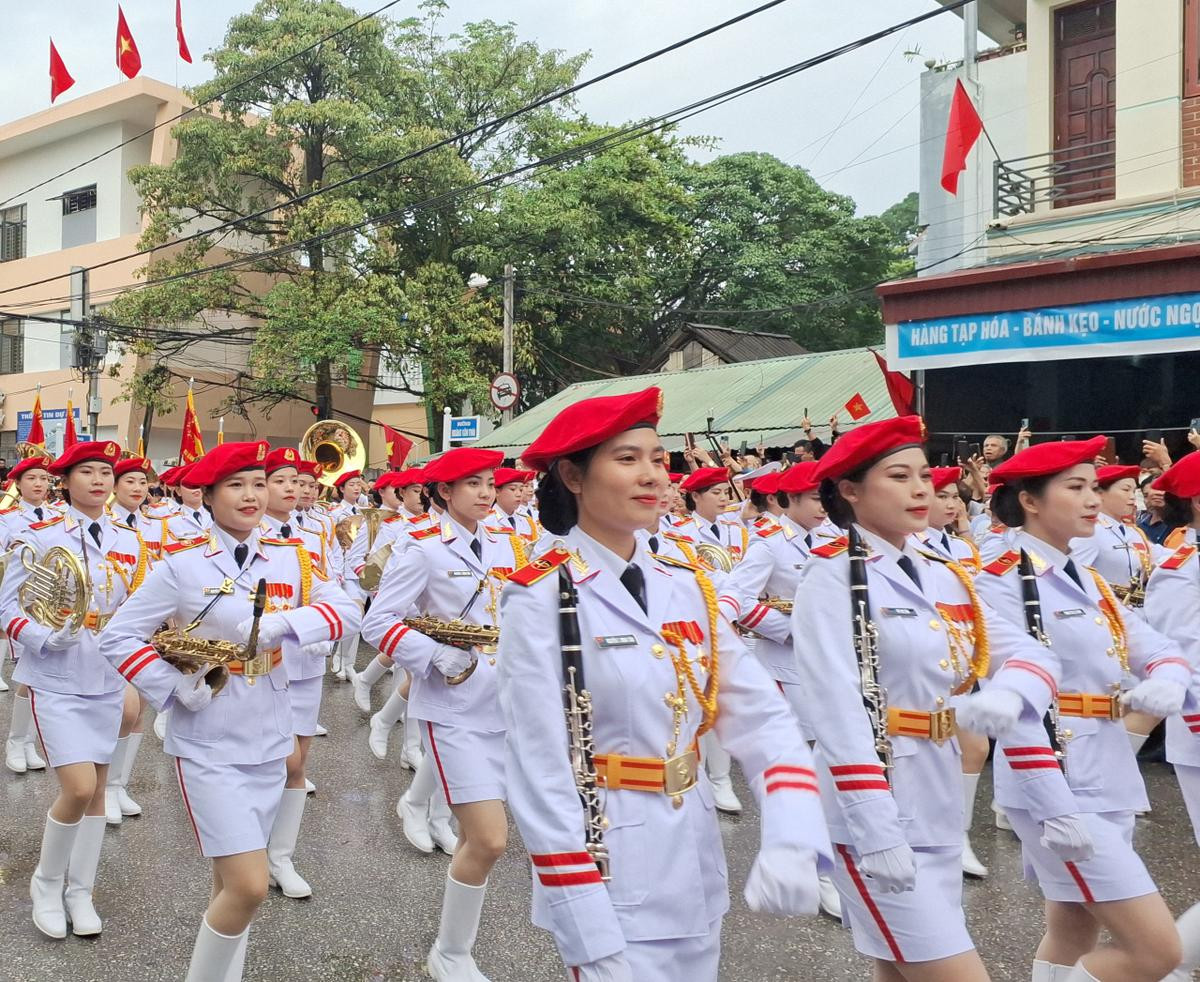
(1182, 478)
(510, 475)
(799, 478)
(27, 465)
(1116, 472)
(220, 462)
(704, 478)
(280, 458)
(461, 462)
(767, 483)
(676, 478)
(864, 445)
(385, 480)
(943, 476)
(170, 477)
(1047, 458)
(402, 479)
(104, 451)
(346, 477)
(131, 464)
(590, 422)
(310, 467)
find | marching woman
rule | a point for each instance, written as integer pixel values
(230, 745)
(1076, 821)
(192, 521)
(886, 676)
(130, 490)
(1173, 607)
(454, 573)
(706, 492)
(631, 880)
(32, 479)
(75, 697)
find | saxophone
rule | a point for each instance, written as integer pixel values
(778, 603)
(866, 650)
(460, 634)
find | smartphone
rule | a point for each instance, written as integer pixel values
(1024, 424)
(1110, 450)
(689, 440)
(793, 458)
(976, 450)
(961, 448)
(1195, 427)
(1154, 436)
(945, 460)
(742, 449)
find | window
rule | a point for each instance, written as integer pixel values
(12, 347)
(12, 233)
(1191, 48)
(79, 200)
(79, 217)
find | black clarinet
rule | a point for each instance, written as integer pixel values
(577, 704)
(866, 650)
(1036, 628)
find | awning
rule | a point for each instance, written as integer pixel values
(750, 401)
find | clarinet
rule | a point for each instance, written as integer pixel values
(577, 704)
(866, 650)
(1035, 627)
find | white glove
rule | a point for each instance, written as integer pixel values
(272, 629)
(451, 661)
(783, 880)
(316, 649)
(991, 711)
(611, 968)
(894, 870)
(1068, 838)
(1155, 697)
(192, 692)
(61, 640)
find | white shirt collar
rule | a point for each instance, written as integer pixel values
(1053, 557)
(597, 555)
(229, 543)
(885, 548)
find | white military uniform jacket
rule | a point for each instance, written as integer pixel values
(524, 525)
(184, 525)
(250, 720)
(14, 521)
(438, 575)
(116, 567)
(152, 530)
(918, 671)
(668, 873)
(301, 662)
(1173, 607)
(332, 554)
(1101, 770)
(949, 546)
(731, 534)
(1118, 552)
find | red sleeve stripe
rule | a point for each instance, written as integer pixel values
(1194, 727)
(1167, 661)
(792, 785)
(390, 641)
(842, 770)
(1191, 718)
(726, 599)
(1037, 670)
(1028, 752)
(545, 859)
(358, 570)
(879, 785)
(778, 769)
(756, 615)
(150, 656)
(1033, 765)
(570, 879)
(16, 626)
(133, 658)
(335, 620)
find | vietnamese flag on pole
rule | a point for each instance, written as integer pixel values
(60, 78)
(37, 433)
(69, 437)
(191, 446)
(398, 447)
(899, 387)
(857, 407)
(128, 59)
(184, 53)
(962, 131)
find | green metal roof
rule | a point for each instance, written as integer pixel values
(749, 401)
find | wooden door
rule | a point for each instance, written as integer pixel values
(1085, 102)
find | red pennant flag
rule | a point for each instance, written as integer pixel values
(69, 437)
(60, 78)
(191, 446)
(183, 48)
(857, 407)
(961, 133)
(899, 387)
(398, 446)
(37, 433)
(128, 59)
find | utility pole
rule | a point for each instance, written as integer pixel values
(91, 346)
(507, 415)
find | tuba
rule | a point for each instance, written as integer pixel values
(57, 592)
(335, 446)
(714, 557)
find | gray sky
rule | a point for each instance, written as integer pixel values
(872, 156)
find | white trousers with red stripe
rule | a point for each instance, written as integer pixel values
(77, 729)
(674, 959)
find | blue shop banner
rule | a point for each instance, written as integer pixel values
(52, 420)
(1145, 325)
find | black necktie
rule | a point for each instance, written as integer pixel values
(1072, 572)
(906, 564)
(513, 522)
(654, 543)
(239, 554)
(131, 520)
(285, 531)
(635, 583)
(808, 539)
(196, 515)
(94, 530)
(477, 548)
(38, 511)
(715, 531)
(946, 543)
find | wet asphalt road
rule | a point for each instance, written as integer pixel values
(376, 901)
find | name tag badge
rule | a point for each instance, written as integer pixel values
(1073, 612)
(459, 572)
(617, 641)
(898, 611)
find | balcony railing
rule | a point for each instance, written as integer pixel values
(1071, 176)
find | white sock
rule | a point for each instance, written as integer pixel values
(970, 789)
(393, 709)
(424, 781)
(1136, 740)
(373, 672)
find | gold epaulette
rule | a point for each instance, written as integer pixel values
(184, 544)
(426, 533)
(672, 561)
(763, 533)
(47, 523)
(831, 549)
(539, 568)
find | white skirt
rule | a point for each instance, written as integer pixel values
(1189, 784)
(469, 763)
(674, 959)
(1115, 872)
(231, 806)
(305, 695)
(77, 729)
(924, 924)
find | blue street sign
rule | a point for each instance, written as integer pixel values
(463, 429)
(50, 417)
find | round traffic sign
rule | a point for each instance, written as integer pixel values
(505, 391)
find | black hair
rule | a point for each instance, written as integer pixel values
(66, 495)
(839, 510)
(377, 498)
(1006, 499)
(782, 499)
(758, 500)
(1176, 511)
(557, 509)
(432, 492)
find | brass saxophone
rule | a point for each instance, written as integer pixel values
(461, 635)
(866, 650)
(778, 603)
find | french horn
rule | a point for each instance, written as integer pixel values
(714, 557)
(57, 592)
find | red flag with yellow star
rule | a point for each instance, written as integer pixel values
(398, 447)
(191, 446)
(128, 59)
(60, 78)
(69, 437)
(37, 432)
(857, 407)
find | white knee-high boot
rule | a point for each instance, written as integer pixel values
(282, 845)
(970, 862)
(383, 722)
(1049, 972)
(19, 727)
(364, 681)
(450, 958)
(112, 801)
(717, 763)
(1188, 926)
(46, 885)
(81, 876)
(1080, 974)
(213, 955)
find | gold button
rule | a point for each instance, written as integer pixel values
(943, 664)
(1068, 734)
(941, 701)
(935, 625)
(657, 650)
(1099, 620)
(1109, 651)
